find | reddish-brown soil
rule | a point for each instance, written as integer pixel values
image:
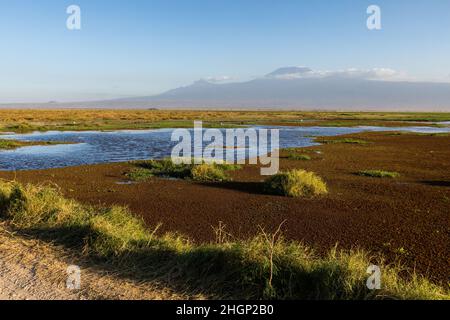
(405, 218)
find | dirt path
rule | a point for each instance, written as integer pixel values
(19, 282)
(33, 270)
(22, 271)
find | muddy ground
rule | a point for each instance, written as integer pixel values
(406, 218)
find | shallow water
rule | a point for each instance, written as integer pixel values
(91, 147)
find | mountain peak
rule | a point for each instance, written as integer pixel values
(202, 82)
(289, 72)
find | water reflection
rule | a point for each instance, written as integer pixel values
(91, 147)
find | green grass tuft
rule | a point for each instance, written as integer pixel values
(343, 140)
(296, 183)
(208, 173)
(9, 144)
(139, 174)
(205, 172)
(378, 174)
(166, 168)
(228, 166)
(296, 156)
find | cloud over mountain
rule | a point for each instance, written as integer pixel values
(305, 88)
(219, 79)
(379, 89)
(288, 73)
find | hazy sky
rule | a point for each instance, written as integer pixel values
(135, 47)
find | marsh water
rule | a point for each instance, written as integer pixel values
(92, 147)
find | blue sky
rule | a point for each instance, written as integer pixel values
(143, 47)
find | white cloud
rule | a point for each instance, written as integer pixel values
(219, 79)
(352, 73)
(370, 74)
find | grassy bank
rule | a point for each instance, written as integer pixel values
(14, 144)
(263, 267)
(341, 140)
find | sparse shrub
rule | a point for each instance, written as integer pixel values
(208, 173)
(139, 174)
(228, 166)
(167, 168)
(296, 156)
(296, 183)
(378, 174)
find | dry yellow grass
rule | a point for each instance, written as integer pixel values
(87, 119)
(81, 115)
(296, 183)
(208, 173)
(44, 115)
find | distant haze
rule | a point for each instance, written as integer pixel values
(293, 88)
